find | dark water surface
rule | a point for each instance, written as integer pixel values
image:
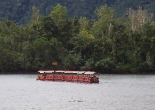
(114, 92)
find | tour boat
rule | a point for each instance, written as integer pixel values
(68, 76)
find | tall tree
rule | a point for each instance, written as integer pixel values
(36, 16)
(103, 26)
(139, 18)
(59, 14)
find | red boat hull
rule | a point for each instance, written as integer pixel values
(69, 78)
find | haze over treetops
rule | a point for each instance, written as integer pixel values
(21, 10)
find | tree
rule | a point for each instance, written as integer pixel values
(102, 27)
(85, 23)
(36, 16)
(147, 46)
(59, 14)
(139, 18)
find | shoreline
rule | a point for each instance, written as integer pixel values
(110, 73)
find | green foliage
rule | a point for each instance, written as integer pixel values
(58, 14)
(72, 61)
(48, 28)
(106, 45)
(102, 27)
(105, 65)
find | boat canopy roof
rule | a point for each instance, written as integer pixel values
(48, 71)
(66, 72)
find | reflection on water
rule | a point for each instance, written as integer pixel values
(114, 92)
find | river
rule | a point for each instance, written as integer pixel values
(114, 92)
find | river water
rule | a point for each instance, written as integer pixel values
(114, 92)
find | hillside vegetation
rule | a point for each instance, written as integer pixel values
(108, 44)
(21, 10)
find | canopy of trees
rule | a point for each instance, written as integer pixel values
(107, 44)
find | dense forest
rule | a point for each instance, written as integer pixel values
(21, 10)
(107, 44)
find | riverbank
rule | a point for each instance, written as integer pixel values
(120, 73)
